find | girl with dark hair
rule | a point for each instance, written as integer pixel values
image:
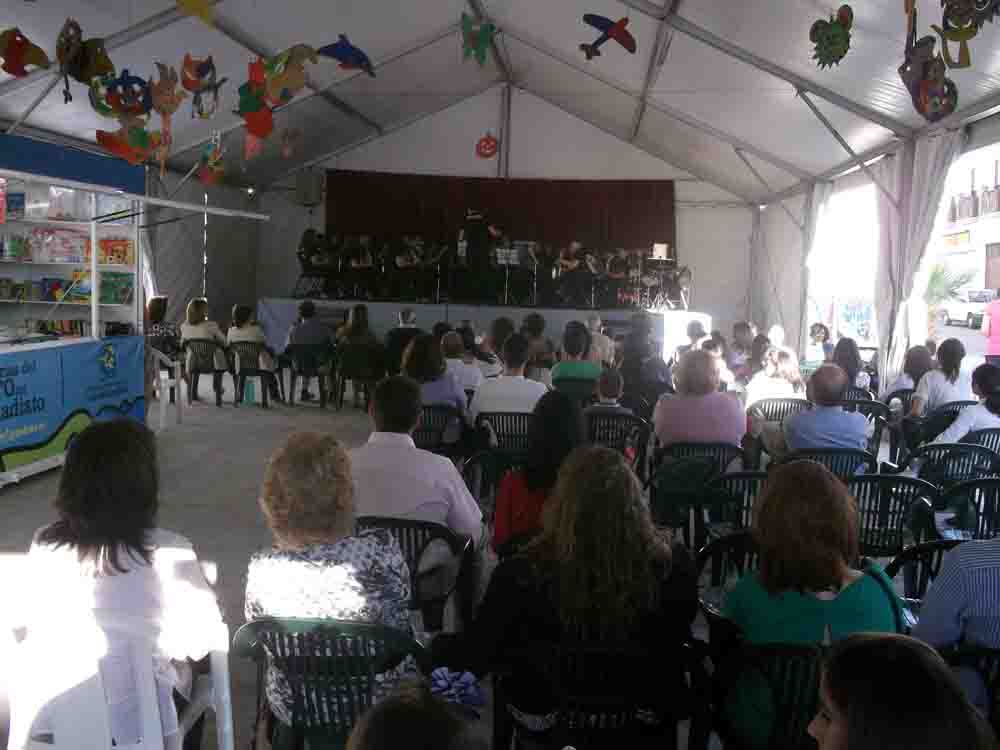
(246, 329)
(600, 571)
(945, 384)
(985, 415)
(883, 692)
(819, 348)
(104, 563)
(847, 355)
(754, 363)
(356, 330)
(917, 362)
(424, 362)
(556, 429)
(167, 335)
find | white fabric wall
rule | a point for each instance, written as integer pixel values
(545, 142)
(778, 271)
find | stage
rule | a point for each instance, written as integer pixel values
(277, 314)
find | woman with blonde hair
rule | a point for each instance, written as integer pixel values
(319, 565)
(599, 571)
(197, 326)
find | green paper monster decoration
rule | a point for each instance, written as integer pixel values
(476, 38)
(832, 38)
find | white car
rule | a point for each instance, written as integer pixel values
(968, 308)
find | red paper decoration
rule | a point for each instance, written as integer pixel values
(487, 146)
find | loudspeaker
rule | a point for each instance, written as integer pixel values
(309, 187)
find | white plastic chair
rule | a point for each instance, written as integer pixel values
(166, 381)
(55, 674)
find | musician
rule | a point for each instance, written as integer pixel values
(480, 237)
(359, 267)
(619, 271)
(575, 276)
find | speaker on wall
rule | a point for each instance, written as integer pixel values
(309, 187)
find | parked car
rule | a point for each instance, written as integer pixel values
(968, 308)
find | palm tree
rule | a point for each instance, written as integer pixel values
(943, 286)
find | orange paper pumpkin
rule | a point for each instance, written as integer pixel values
(487, 146)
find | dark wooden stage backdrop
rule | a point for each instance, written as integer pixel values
(602, 214)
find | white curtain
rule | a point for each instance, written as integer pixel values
(915, 176)
(815, 206)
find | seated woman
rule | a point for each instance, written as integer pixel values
(556, 430)
(159, 333)
(779, 378)
(847, 355)
(424, 362)
(806, 591)
(985, 415)
(245, 328)
(917, 362)
(889, 691)
(459, 363)
(945, 384)
(103, 564)
(599, 571)
(819, 348)
(198, 326)
(356, 329)
(319, 567)
(699, 413)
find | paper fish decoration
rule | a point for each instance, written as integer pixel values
(609, 29)
(17, 51)
(832, 38)
(199, 8)
(349, 56)
(80, 60)
(934, 95)
(132, 142)
(199, 77)
(285, 74)
(476, 38)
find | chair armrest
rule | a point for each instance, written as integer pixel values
(887, 467)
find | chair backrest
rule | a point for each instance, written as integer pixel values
(725, 560)
(777, 409)
(202, 353)
(921, 563)
(307, 359)
(843, 462)
(989, 438)
(168, 345)
(361, 361)
(986, 662)
(976, 505)
(723, 454)
(581, 390)
(510, 428)
(434, 421)
(858, 394)
(885, 504)
(246, 355)
(945, 464)
(937, 421)
(625, 433)
(332, 668)
(483, 473)
(878, 415)
(904, 396)
(743, 487)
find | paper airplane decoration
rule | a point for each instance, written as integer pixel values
(609, 30)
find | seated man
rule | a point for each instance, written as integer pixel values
(827, 425)
(574, 363)
(308, 331)
(398, 338)
(961, 606)
(510, 392)
(393, 478)
(609, 390)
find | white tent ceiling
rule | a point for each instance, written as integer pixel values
(709, 77)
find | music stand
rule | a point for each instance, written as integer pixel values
(507, 257)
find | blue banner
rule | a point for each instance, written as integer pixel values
(49, 395)
(60, 162)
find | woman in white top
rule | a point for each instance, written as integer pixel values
(244, 328)
(944, 385)
(197, 326)
(105, 568)
(984, 416)
(917, 362)
(779, 378)
(468, 374)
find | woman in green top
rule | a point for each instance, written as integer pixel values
(806, 590)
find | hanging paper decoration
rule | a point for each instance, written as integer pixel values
(199, 77)
(477, 36)
(253, 106)
(211, 168)
(923, 73)
(199, 8)
(349, 56)
(285, 74)
(958, 26)
(132, 141)
(167, 99)
(252, 146)
(17, 51)
(609, 30)
(98, 96)
(129, 95)
(487, 146)
(291, 140)
(80, 60)
(832, 38)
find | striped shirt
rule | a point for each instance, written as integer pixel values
(962, 602)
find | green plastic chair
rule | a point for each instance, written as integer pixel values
(331, 668)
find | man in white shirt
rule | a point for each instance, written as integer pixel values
(469, 375)
(511, 392)
(393, 478)
(602, 348)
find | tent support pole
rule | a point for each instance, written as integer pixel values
(760, 178)
(657, 58)
(34, 105)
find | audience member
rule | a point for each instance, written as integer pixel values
(985, 415)
(599, 571)
(394, 478)
(467, 373)
(819, 348)
(541, 352)
(412, 717)
(943, 385)
(780, 378)
(105, 562)
(576, 340)
(487, 362)
(916, 364)
(309, 331)
(695, 333)
(740, 351)
(717, 348)
(500, 331)
(245, 328)
(557, 429)
(441, 328)
(699, 413)
(755, 362)
(197, 326)
(356, 330)
(399, 338)
(609, 391)
(319, 565)
(167, 335)
(424, 363)
(602, 348)
(961, 606)
(776, 335)
(806, 590)
(510, 392)
(890, 691)
(827, 425)
(848, 357)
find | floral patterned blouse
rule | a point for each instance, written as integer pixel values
(363, 578)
